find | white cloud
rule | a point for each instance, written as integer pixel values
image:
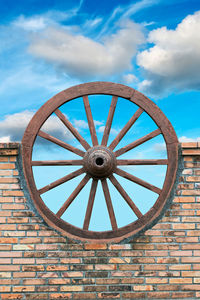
(13, 126)
(33, 23)
(173, 62)
(80, 124)
(112, 131)
(129, 78)
(5, 139)
(97, 123)
(185, 139)
(83, 57)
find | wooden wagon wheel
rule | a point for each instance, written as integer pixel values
(100, 162)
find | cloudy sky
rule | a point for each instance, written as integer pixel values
(151, 45)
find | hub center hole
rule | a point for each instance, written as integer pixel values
(99, 161)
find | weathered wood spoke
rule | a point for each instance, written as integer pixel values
(138, 142)
(137, 180)
(90, 121)
(109, 121)
(99, 161)
(109, 204)
(73, 162)
(71, 128)
(61, 181)
(125, 162)
(60, 143)
(73, 196)
(125, 196)
(90, 204)
(125, 129)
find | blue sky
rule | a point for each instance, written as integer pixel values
(157, 53)
(150, 45)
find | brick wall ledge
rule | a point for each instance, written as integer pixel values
(7, 149)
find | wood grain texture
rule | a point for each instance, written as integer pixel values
(72, 162)
(143, 162)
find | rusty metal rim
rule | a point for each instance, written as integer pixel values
(110, 89)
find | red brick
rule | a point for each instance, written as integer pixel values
(30, 241)
(181, 253)
(117, 260)
(121, 274)
(59, 281)
(135, 295)
(73, 274)
(6, 166)
(8, 240)
(32, 281)
(13, 206)
(23, 288)
(184, 199)
(11, 296)
(129, 267)
(71, 288)
(189, 145)
(192, 287)
(24, 274)
(109, 295)
(60, 296)
(4, 289)
(9, 268)
(84, 296)
(57, 268)
(95, 246)
(180, 280)
(7, 227)
(17, 220)
(157, 295)
(13, 193)
(5, 260)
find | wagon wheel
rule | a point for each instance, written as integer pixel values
(100, 162)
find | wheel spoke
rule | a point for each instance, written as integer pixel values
(138, 181)
(124, 162)
(60, 143)
(138, 142)
(75, 162)
(90, 121)
(125, 129)
(109, 121)
(61, 181)
(73, 196)
(73, 130)
(125, 196)
(109, 204)
(90, 204)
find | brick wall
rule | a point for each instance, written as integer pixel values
(38, 263)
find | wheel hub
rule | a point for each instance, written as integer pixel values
(99, 162)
